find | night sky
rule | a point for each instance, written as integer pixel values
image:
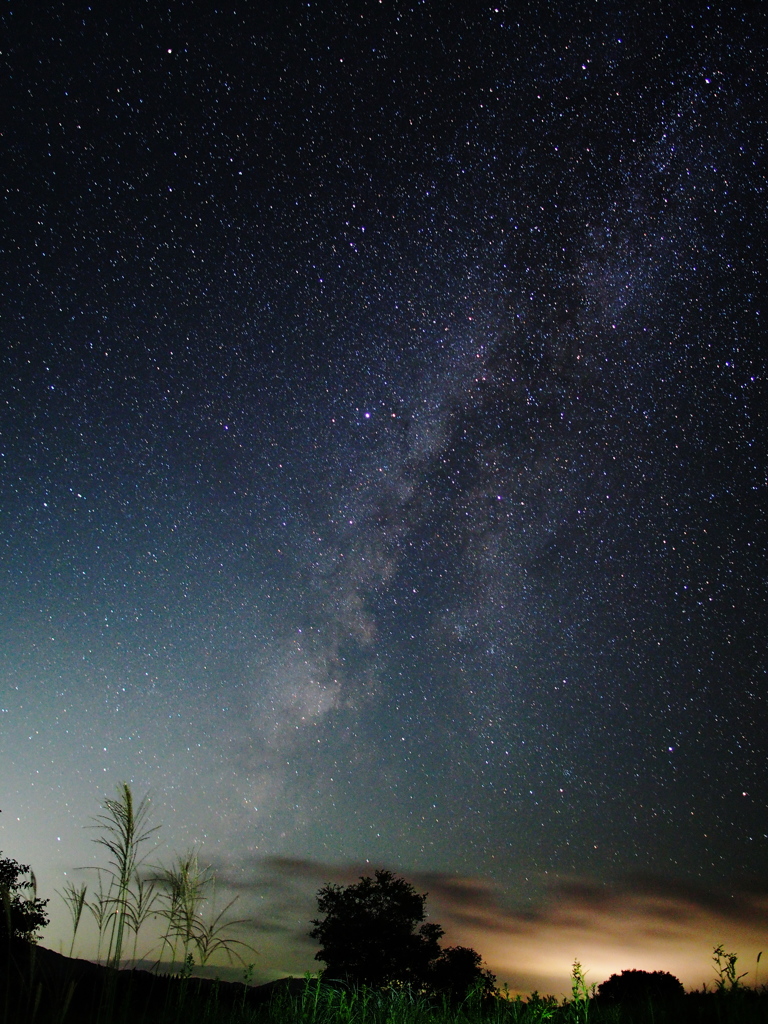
(383, 462)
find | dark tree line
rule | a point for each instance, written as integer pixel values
(639, 987)
(373, 933)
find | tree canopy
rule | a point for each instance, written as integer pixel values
(22, 914)
(458, 969)
(373, 933)
(640, 986)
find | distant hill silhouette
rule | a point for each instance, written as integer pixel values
(32, 975)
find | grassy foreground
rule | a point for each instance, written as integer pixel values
(38, 986)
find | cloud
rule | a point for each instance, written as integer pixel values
(642, 922)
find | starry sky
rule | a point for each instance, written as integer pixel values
(383, 460)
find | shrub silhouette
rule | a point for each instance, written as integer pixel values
(633, 987)
(21, 916)
(458, 970)
(372, 934)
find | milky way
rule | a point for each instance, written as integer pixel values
(384, 436)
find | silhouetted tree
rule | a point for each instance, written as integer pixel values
(372, 934)
(368, 935)
(22, 914)
(457, 970)
(636, 987)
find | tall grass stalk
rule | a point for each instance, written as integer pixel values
(188, 888)
(725, 968)
(74, 898)
(99, 908)
(211, 936)
(581, 994)
(140, 906)
(123, 829)
(185, 885)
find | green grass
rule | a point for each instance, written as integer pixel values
(39, 995)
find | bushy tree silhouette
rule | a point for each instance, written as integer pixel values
(22, 914)
(369, 933)
(635, 987)
(372, 934)
(459, 969)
